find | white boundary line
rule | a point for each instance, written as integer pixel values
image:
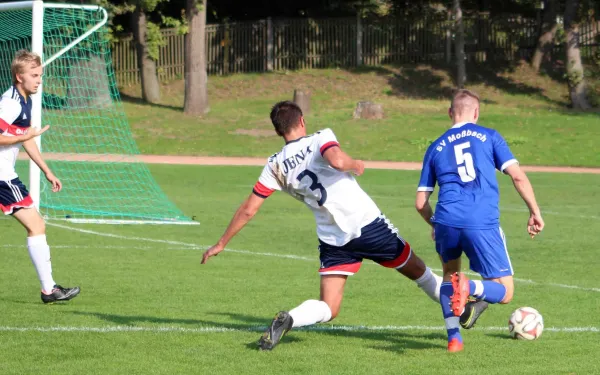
(287, 256)
(316, 328)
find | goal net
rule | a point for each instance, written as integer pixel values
(89, 146)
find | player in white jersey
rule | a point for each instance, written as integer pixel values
(15, 130)
(350, 226)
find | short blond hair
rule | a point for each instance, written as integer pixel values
(464, 99)
(21, 60)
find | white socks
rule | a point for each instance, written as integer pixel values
(430, 283)
(39, 251)
(310, 312)
(478, 288)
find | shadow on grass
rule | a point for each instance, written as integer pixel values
(135, 100)
(499, 336)
(395, 341)
(430, 81)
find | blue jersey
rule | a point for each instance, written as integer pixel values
(463, 161)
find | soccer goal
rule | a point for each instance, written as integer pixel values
(89, 146)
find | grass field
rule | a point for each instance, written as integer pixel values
(529, 110)
(148, 307)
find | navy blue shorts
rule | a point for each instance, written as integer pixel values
(485, 248)
(379, 241)
(14, 196)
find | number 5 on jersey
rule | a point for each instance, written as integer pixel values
(464, 161)
(315, 185)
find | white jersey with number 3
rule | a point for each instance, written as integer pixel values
(340, 206)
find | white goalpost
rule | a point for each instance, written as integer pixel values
(81, 102)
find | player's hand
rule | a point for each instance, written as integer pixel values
(535, 225)
(56, 184)
(34, 132)
(359, 167)
(211, 252)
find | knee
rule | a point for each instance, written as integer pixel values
(36, 228)
(508, 296)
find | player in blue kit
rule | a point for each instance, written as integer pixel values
(463, 161)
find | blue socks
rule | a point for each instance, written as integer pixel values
(452, 322)
(489, 291)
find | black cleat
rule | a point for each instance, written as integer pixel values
(60, 294)
(473, 310)
(280, 326)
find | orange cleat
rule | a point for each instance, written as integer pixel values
(455, 346)
(460, 284)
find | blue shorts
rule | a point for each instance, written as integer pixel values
(485, 248)
(14, 196)
(379, 241)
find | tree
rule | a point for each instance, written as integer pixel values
(147, 40)
(575, 71)
(547, 33)
(196, 77)
(461, 76)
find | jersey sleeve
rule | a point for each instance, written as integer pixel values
(327, 140)
(267, 183)
(503, 157)
(10, 110)
(428, 179)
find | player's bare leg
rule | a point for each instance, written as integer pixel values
(416, 270)
(308, 313)
(39, 251)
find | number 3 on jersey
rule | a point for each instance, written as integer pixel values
(464, 161)
(315, 185)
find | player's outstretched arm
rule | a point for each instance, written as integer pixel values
(31, 133)
(535, 223)
(241, 217)
(341, 161)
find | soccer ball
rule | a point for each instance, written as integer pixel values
(526, 323)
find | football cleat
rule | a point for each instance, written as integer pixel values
(280, 326)
(460, 284)
(60, 294)
(473, 310)
(455, 345)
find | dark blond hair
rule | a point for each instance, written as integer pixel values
(21, 60)
(464, 99)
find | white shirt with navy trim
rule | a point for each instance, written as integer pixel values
(340, 206)
(15, 119)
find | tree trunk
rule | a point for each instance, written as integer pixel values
(302, 99)
(575, 73)
(196, 78)
(88, 85)
(547, 32)
(461, 76)
(147, 66)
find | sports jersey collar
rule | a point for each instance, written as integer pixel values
(18, 93)
(458, 125)
(295, 140)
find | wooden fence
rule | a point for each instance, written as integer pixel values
(289, 44)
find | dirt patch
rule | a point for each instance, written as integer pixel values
(209, 160)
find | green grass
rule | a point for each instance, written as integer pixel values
(137, 283)
(529, 110)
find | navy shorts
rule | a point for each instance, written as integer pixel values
(379, 241)
(14, 196)
(485, 248)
